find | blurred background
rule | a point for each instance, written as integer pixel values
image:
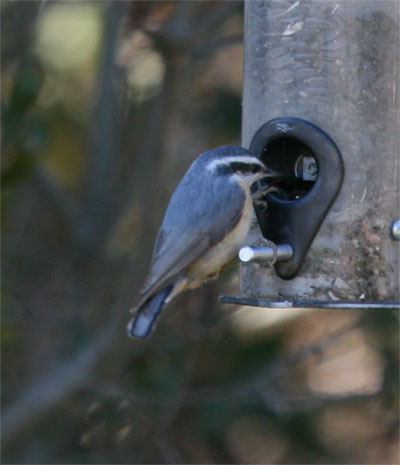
(104, 107)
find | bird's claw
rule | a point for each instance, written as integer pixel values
(260, 203)
(259, 198)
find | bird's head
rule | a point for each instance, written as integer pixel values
(234, 164)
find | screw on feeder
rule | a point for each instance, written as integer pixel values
(312, 168)
(306, 168)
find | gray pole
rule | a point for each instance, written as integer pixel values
(335, 64)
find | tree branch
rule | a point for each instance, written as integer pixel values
(59, 383)
(105, 127)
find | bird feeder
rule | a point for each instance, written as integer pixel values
(321, 107)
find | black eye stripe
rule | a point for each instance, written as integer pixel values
(246, 167)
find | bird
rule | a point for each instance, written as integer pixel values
(205, 224)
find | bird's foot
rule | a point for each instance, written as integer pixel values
(259, 198)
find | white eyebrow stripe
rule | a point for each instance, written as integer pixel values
(214, 164)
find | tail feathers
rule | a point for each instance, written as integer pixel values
(142, 324)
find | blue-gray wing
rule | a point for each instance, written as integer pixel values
(199, 215)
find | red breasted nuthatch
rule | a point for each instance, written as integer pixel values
(206, 222)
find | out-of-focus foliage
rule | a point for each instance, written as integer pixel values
(104, 106)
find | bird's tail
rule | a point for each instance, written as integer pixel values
(142, 324)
